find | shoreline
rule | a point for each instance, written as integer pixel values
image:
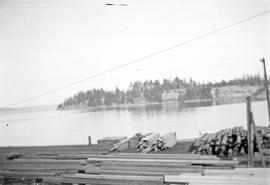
(197, 102)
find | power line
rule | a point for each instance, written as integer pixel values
(139, 59)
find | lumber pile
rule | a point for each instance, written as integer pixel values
(229, 142)
(152, 164)
(146, 142)
(134, 140)
(128, 143)
(154, 142)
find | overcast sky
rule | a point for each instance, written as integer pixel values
(45, 44)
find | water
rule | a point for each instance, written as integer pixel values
(47, 126)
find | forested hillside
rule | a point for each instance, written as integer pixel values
(167, 90)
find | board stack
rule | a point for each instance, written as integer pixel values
(229, 142)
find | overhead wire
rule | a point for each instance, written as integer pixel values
(139, 59)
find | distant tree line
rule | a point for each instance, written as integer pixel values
(152, 91)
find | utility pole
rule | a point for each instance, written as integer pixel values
(266, 89)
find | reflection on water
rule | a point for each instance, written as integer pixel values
(47, 126)
(175, 107)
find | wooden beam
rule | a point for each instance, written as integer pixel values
(197, 179)
(138, 156)
(105, 179)
(254, 172)
(27, 175)
(192, 162)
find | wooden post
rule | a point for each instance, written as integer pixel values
(258, 141)
(250, 133)
(89, 141)
(266, 89)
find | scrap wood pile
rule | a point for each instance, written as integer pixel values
(229, 142)
(145, 143)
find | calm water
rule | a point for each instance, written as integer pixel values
(47, 126)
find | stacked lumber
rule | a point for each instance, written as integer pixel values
(143, 142)
(134, 140)
(264, 134)
(153, 164)
(148, 143)
(249, 176)
(128, 143)
(108, 142)
(122, 145)
(154, 142)
(229, 142)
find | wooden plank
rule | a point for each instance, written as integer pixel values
(194, 162)
(21, 174)
(132, 173)
(105, 179)
(165, 156)
(138, 156)
(239, 171)
(215, 179)
(144, 164)
(39, 165)
(51, 161)
(147, 169)
(119, 177)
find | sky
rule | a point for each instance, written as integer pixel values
(47, 44)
